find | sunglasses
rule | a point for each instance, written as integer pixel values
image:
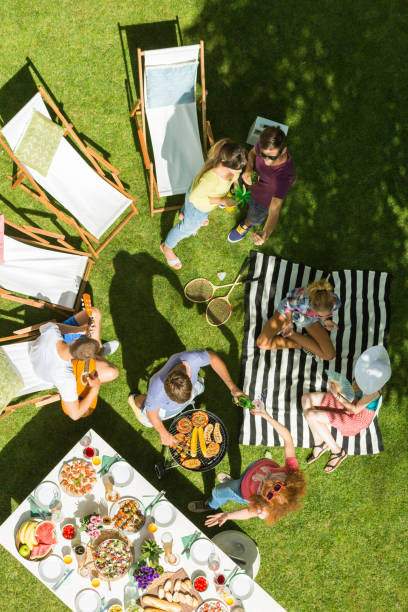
(271, 157)
(276, 488)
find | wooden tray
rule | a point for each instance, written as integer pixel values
(173, 576)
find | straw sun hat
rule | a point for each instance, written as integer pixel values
(373, 369)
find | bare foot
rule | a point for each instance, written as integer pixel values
(206, 222)
(171, 257)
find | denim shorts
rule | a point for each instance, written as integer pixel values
(71, 337)
(256, 213)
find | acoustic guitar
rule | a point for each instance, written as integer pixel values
(82, 369)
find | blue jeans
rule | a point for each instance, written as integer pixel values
(228, 491)
(191, 223)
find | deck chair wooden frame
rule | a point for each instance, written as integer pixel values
(139, 114)
(41, 238)
(95, 159)
(27, 334)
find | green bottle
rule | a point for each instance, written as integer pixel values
(245, 402)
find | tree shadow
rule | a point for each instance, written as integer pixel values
(146, 336)
(347, 136)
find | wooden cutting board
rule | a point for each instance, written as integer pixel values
(173, 576)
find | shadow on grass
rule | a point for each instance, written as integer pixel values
(317, 68)
(146, 336)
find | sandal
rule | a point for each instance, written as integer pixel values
(173, 263)
(312, 457)
(199, 506)
(339, 457)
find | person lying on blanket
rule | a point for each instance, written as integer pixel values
(174, 387)
(312, 309)
(52, 353)
(269, 490)
(325, 410)
(271, 160)
(209, 190)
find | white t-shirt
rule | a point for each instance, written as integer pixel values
(49, 366)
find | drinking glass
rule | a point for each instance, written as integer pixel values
(86, 440)
(167, 543)
(213, 562)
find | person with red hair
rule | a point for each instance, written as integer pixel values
(269, 490)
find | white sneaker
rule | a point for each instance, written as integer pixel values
(223, 477)
(110, 347)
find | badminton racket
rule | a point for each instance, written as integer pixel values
(219, 309)
(201, 289)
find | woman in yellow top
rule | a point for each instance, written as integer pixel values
(226, 159)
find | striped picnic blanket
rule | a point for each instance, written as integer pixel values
(281, 377)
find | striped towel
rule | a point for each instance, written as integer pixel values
(281, 377)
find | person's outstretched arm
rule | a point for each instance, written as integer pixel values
(281, 430)
(221, 369)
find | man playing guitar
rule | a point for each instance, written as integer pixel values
(58, 344)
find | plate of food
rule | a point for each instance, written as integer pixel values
(77, 477)
(35, 539)
(128, 514)
(164, 513)
(87, 600)
(201, 550)
(122, 473)
(112, 558)
(213, 605)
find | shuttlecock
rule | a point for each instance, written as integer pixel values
(221, 275)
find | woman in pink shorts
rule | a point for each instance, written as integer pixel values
(325, 410)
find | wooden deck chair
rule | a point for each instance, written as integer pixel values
(94, 202)
(18, 354)
(53, 275)
(167, 98)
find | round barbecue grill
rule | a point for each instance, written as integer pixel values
(172, 455)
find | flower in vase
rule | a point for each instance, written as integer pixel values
(95, 520)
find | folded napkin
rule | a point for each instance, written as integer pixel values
(188, 541)
(37, 511)
(107, 463)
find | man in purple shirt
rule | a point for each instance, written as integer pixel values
(174, 387)
(271, 160)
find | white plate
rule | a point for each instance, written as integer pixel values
(51, 569)
(164, 513)
(122, 473)
(47, 494)
(201, 550)
(87, 600)
(241, 586)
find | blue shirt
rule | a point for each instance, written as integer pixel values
(156, 395)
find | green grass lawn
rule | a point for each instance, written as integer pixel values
(336, 73)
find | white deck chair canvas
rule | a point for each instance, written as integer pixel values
(167, 88)
(93, 201)
(54, 276)
(19, 354)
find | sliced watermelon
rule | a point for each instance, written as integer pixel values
(39, 551)
(45, 533)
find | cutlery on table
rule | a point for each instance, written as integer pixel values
(109, 464)
(62, 580)
(155, 501)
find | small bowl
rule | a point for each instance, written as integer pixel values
(199, 574)
(73, 535)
